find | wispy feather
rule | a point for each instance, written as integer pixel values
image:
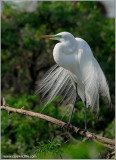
(58, 82)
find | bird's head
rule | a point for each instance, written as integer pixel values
(62, 36)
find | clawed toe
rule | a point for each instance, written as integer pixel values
(82, 130)
(68, 126)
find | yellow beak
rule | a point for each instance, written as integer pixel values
(47, 36)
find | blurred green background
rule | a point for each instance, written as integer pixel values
(25, 59)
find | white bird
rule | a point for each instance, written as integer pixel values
(76, 73)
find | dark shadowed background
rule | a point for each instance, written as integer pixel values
(25, 59)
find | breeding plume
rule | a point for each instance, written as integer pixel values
(76, 73)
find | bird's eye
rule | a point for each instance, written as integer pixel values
(59, 36)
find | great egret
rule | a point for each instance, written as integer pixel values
(76, 72)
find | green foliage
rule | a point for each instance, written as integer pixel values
(48, 150)
(21, 133)
(25, 59)
(86, 150)
(56, 150)
(110, 130)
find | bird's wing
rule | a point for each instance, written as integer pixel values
(93, 78)
(97, 85)
(57, 82)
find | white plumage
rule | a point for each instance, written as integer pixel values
(75, 64)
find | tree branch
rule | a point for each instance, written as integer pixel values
(109, 143)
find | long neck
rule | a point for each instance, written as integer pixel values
(63, 53)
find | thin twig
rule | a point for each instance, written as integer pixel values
(99, 138)
(4, 102)
(105, 145)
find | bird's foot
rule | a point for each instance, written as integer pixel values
(89, 136)
(82, 130)
(68, 127)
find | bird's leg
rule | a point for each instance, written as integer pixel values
(69, 122)
(85, 103)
